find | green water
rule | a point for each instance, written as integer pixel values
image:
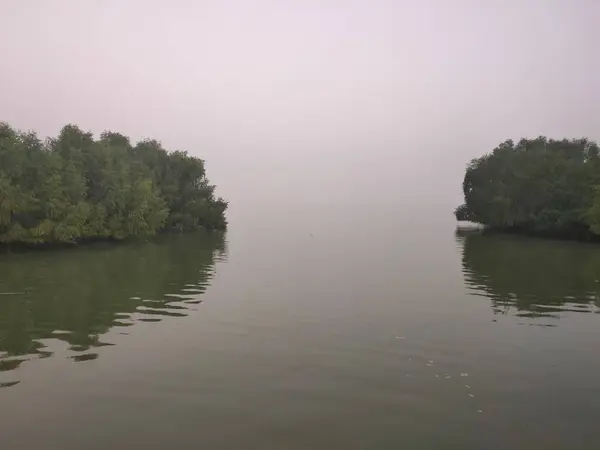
(324, 328)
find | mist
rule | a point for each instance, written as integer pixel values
(309, 101)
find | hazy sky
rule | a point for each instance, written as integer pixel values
(306, 100)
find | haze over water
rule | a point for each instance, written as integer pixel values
(342, 309)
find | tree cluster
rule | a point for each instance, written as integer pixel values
(538, 186)
(74, 188)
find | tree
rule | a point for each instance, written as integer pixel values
(539, 186)
(73, 188)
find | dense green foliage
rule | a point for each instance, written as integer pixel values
(73, 188)
(539, 186)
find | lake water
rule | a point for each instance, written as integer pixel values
(338, 327)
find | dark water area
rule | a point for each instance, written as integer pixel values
(322, 328)
(75, 296)
(531, 277)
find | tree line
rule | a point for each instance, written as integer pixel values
(537, 186)
(74, 188)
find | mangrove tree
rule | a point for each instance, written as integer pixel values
(538, 186)
(74, 188)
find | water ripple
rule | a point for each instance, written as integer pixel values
(531, 278)
(76, 296)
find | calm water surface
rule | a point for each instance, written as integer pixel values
(322, 328)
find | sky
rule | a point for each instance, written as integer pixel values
(300, 101)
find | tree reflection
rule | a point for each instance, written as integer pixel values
(532, 277)
(77, 295)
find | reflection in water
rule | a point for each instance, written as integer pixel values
(535, 278)
(77, 295)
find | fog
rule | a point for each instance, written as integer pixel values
(313, 100)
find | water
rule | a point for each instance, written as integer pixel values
(340, 327)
